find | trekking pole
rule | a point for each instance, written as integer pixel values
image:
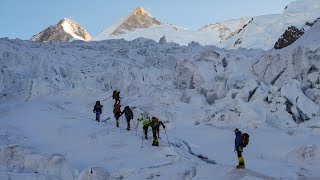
(141, 141)
(107, 98)
(134, 124)
(167, 136)
(137, 128)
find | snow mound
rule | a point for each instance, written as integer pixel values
(27, 160)
(94, 173)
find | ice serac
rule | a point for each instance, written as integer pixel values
(63, 31)
(138, 19)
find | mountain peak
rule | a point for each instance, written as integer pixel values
(140, 11)
(137, 19)
(65, 20)
(63, 31)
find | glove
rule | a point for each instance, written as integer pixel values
(240, 149)
(164, 127)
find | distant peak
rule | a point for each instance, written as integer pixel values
(139, 11)
(63, 31)
(64, 20)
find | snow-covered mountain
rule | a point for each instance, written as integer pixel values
(140, 23)
(63, 31)
(266, 31)
(227, 29)
(138, 19)
(260, 32)
(201, 93)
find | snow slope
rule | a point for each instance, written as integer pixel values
(227, 29)
(201, 93)
(264, 31)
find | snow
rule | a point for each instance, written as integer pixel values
(201, 93)
(260, 32)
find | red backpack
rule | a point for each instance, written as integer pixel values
(117, 108)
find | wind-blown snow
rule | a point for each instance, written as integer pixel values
(201, 93)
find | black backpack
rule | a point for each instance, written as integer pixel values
(245, 139)
(130, 113)
(114, 94)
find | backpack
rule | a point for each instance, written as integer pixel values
(245, 139)
(114, 94)
(117, 108)
(117, 96)
(155, 119)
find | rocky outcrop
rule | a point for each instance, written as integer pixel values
(288, 37)
(291, 35)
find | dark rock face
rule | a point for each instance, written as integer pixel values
(291, 35)
(288, 37)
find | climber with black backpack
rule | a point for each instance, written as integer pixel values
(129, 115)
(157, 124)
(241, 141)
(97, 110)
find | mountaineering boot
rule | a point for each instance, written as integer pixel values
(155, 142)
(241, 163)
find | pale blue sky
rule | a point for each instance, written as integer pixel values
(24, 18)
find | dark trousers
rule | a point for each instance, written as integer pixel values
(98, 116)
(240, 159)
(117, 116)
(128, 123)
(155, 138)
(145, 129)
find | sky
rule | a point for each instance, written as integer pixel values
(24, 18)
